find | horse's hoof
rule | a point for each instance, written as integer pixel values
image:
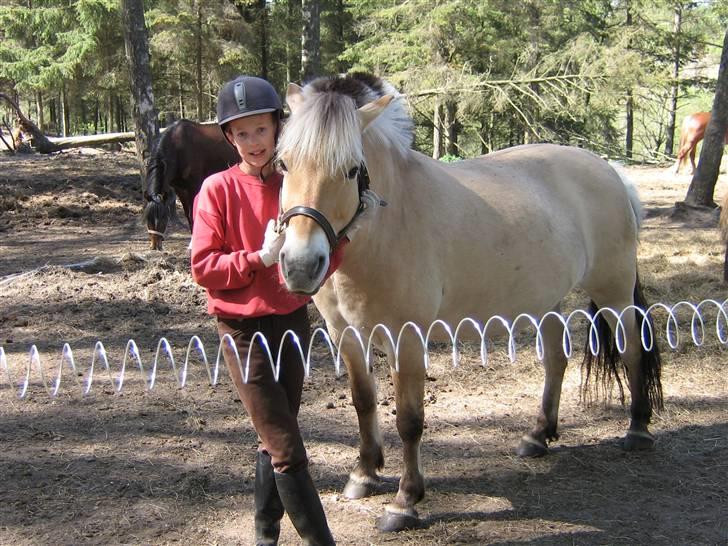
(530, 447)
(636, 440)
(358, 488)
(398, 519)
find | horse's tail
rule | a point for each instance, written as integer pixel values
(682, 153)
(634, 199)
(604, 368)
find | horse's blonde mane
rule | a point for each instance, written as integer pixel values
(326, 128)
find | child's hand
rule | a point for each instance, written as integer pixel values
(371, 202)
(272, 243)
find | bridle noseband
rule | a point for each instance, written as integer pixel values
(331, 235)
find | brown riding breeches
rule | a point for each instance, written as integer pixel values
(272, 406)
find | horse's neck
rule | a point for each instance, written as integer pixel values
(384, 175)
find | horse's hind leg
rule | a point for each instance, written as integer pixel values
(643, 372)
(535, 443)
(363, 480)
(409, 386)
(692, 158)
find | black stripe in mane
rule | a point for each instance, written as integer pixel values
(360, 86)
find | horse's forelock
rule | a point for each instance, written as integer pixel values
(326, 130)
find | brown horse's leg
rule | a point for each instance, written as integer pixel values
(682, 153)
(535, 443)
(363, 480)
(409, 386)
(693, 149)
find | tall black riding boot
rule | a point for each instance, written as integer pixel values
(268, 505)
(303, 506)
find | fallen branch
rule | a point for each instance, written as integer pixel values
(37, 139)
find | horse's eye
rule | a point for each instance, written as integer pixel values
(352, 173)
(282, 166)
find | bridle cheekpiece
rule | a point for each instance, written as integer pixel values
(333, 238)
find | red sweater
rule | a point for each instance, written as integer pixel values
(231, 213)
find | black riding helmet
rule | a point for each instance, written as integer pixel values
(246, 96)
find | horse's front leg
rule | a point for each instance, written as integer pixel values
(409, 385)
(535, 443)
(363, 480)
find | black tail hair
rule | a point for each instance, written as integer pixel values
(605, 368)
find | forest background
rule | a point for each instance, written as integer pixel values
(613, 76)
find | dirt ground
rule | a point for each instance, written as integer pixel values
(175, 465)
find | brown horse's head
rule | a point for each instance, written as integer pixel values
(322, 155)
(160, 202)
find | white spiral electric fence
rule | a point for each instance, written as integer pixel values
(698, 313)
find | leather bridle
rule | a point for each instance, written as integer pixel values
(331, 235)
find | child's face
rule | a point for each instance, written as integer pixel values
(254, 139)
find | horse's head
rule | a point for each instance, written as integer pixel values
(159, 201)
(321, 154)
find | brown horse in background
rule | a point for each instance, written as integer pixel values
(692, 132)
(187, 153)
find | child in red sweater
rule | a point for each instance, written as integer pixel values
(235, 248)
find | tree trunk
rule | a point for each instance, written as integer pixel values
(340, 34)
(451, 129)
(311, 40)
(436, 132)
(629, 132)
(263, 33)
(181, 96)
(629, 106)
(293, 41)
(198, 63)
(64, 110)
(52, 113)
(39, 110)
(119, 114)
(670, 141)
(84, 128)
(702, 186)
(136, 44)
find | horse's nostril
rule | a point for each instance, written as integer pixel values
(282, 262)
(319, 266)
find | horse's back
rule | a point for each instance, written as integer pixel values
(568, 175)
(546, 218)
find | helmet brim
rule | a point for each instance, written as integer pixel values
(246, 115)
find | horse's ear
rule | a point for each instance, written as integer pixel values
(370, 111)
(294, 97)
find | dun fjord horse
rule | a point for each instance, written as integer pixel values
(511, 232)
(187, 153)
(692, 132)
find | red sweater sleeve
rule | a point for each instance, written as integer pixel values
(213, 266)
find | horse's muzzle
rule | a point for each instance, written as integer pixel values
(155, 239)
(303, 272)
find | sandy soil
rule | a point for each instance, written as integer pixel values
(175, 465)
